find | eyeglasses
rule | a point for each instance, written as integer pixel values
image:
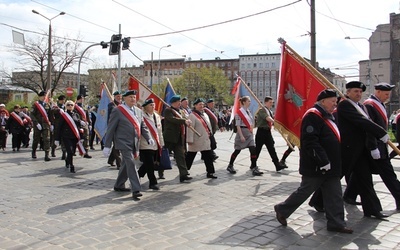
(70, 105)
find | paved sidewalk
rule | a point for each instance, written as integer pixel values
(43, 206)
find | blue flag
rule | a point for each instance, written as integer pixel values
(169, 92)
(100, 127)
(254, 104)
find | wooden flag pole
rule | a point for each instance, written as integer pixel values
(190, 126)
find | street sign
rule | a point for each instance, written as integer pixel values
(69, 91)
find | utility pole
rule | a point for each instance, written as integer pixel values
(119, 63)
(312, 35)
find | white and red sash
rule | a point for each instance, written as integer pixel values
(27, 118)
(68, 119)
(211, 115)
(17, 118)
(331, 124)
(203, 122)
(42, 112)
(245, 118)
(133, 119)
(81, 112)
(379, 107)
(153, 130)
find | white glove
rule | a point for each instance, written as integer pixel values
(106, 151)
(83, 124)
(51, 128)
(385, 138)
(57, 143)
(375, 154)
(151, 142)
(327, 167)
(39, 126)
(90, 127)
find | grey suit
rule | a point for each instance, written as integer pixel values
(122, 132)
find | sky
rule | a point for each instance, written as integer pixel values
(201, 29)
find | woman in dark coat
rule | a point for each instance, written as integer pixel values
(69, 131)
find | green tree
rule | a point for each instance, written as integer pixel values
(204, 83)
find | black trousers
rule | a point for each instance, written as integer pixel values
(264, 137)
(16, 140)
(70, 147)
(147, 157)
(207, 156)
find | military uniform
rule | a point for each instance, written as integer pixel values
(54, 117)
(86, 122)
(41, 126)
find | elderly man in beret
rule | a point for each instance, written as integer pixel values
(376, 109)
(175, 135)
(125, 128)
(355, 128)
(320, 164)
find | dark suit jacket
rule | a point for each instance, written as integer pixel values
(353, 128)
(122, 132)
(172, 126)
(318, 145)
(376, 116)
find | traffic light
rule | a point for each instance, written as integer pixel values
(115, 44)
(104, 45)
(83, 90)
(125, 43)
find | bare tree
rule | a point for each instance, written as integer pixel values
(32, 59)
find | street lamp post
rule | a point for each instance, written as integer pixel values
(49, 56)
(159, 61)
(369, 61)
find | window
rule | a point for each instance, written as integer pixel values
(260, 65)
(273, 65)
(380, 65)
(267, 65)
(254, 65)
(17, 98)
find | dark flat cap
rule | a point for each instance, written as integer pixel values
(129, 92)
(210, 100)
(356, 84)
(183, 99)
(198, 100)
(175, 98)
(79, 97)
(116, 93)
(61, 97)
(326, 94)
(42, 93)
(383, 86)
(147, 102)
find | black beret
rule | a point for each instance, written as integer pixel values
(198, 100)
(129, 92)
(356, 84)
(61, 97)
(326, 94)
(175, 98)
(383, 86)
(183, 99)
(210, 100)
(147, 102)
(79, 97)
(116, 93)
(42, 93)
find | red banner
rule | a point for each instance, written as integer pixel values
(299, 86)
(144, 93)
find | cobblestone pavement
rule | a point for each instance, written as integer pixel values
(43, 206)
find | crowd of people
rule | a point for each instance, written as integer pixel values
(340, 137)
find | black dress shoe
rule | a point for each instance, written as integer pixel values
(256, 172)
(212, 176)
(185, 178)
(154, 187)
(122, 189)
(280, 217)
(87, 156)
(136, 194)
(351, 201)
(344, 230)
(377, 215)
